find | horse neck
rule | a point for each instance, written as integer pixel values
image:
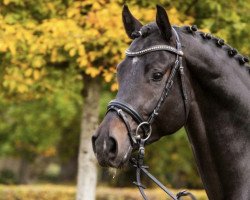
(218, 125)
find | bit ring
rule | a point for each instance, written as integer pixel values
(148, 134)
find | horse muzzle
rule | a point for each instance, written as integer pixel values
(111, 143)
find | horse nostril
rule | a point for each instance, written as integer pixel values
(94, 137)
(112, 147)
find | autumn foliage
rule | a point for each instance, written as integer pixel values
(87, 35)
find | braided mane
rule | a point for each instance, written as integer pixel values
(232, 52)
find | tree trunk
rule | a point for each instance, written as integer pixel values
(87, 172)
(24, 172)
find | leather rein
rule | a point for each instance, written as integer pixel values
(138, 140)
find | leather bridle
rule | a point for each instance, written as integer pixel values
(122, 108)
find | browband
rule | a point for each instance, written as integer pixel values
(154, 48)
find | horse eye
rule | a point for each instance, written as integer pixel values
(157, 76)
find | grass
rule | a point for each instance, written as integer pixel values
(65, 192)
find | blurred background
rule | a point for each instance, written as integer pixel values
(54, 53)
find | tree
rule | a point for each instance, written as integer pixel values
(34, 41)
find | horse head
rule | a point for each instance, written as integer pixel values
(143, 77)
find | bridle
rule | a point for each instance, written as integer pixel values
(122, 108)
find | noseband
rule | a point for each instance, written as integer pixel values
(121, 107)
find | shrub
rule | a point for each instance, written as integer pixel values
(7, 177)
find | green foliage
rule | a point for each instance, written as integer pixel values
(105, 99)
(32, 128)
(172, 161)
(7, 177)
(226, 19)
(51, 173)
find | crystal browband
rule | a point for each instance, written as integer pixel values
(153, 48)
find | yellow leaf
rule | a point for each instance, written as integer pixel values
(28, 72)
(114, 87)
(12, 48)
(108, 76)
(81, 51)
(72, 52)
(22, 88)
(29, 81)
(6, 2)
(37, 62)
(3, 46)
(10, 29)
(12, 85)
(93, 72)
(72, 11)
(30, 24)
(68, 46)
(96, 6)
(82, 62)
(54, 55)
(24, 65)
(36, 74)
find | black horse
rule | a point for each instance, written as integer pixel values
(211, 98)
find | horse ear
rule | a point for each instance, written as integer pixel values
(163, 23)
(130, 23)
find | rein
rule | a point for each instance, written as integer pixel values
(137, 140)
(141, 168)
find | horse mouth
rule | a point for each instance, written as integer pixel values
(121, 161)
